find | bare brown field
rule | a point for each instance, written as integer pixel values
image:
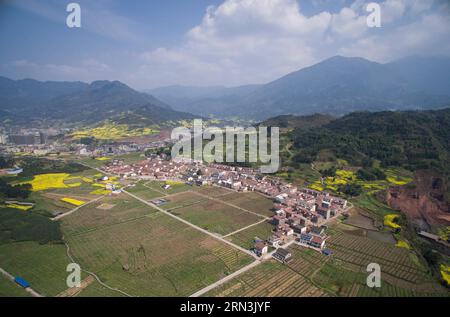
(213, 191)
(105, 206)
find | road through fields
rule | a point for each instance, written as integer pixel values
(192, 225)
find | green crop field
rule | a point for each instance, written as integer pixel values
(246, 238)
(174, 189)
(145, 192)
(182, 200)
(251, 201)
(95, 289)
(216, 217)
(146, 253)
(9, 288)
(106, 212)
(43, 266)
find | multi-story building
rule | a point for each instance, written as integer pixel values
(3, 139)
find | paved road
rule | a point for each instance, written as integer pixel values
(75, 209)
(11, 278)
(238, 272)
(225, 279)
(192, 225)
(242, 229)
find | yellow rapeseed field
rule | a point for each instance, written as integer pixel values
(403, 244)
(389, 221)
(20, 207)
(100, 192)
(445, 272)
(87, 180)
(174, 183)
(48, 181)
(73, 201)
(112, 131)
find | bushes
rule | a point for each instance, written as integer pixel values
(17, 191)
(352, 190)
(371, 174)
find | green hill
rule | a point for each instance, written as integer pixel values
(412, 139)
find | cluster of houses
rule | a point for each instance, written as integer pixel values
(300, 214)
(153, 168)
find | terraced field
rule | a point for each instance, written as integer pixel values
(269, 279)
(402, 272)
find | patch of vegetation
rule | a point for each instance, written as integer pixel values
(112, 131)
(19, 226)
(413, 140)
(14, 191)
(371, 174)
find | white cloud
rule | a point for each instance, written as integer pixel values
(249, 41)
(253, 41)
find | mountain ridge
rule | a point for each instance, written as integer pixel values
(335, 86)
(76, 102)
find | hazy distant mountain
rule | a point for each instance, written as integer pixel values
(202, 100)
(30, 92)
(336, 86)
(80, 102)
(429, 74)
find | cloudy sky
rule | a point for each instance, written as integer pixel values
(151, 43)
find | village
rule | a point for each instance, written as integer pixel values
(299, 216)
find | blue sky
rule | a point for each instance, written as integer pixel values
(151, 43)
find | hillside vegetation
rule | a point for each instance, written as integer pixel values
(413, 140)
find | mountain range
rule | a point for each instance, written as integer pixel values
(77, 102)
(336, 86)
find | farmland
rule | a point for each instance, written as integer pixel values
(269, 279)
(246, 238)
(11, 289)
(250, 201)
(216, 217)
(144, 252)
(112, 131)
(403, 273)
(144, 192)
(30, 260)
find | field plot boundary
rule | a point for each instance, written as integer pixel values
(95, 275)
(193, 226)
(77, 208)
